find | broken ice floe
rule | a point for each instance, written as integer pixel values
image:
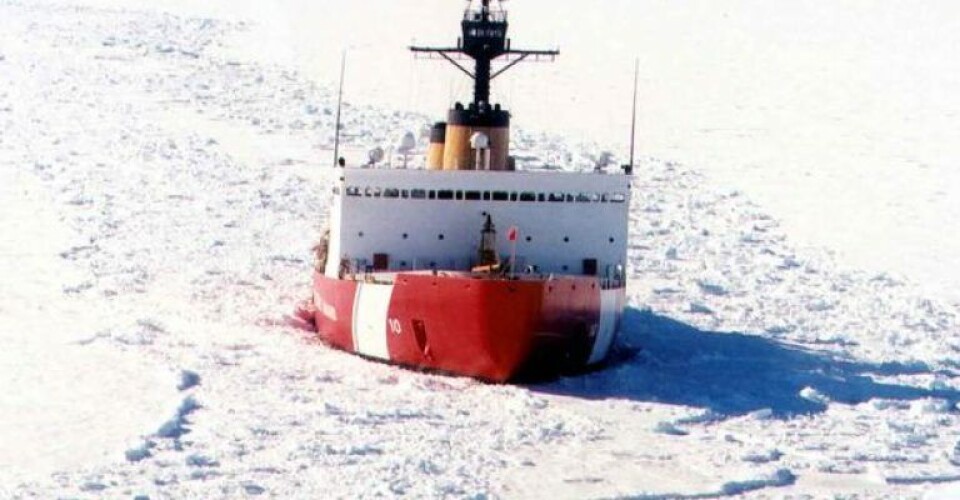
(778, 478)
(188, 380)
(174, 429)
(669, 429)
(762, 457)
(139, 452)
(811, 394)
(177, 425)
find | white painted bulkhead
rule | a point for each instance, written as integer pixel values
(371, 305)
(610, 310)
(332, 267)
(563, 218)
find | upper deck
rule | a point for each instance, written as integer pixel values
(396, 220)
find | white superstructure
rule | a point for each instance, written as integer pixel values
(396, 220)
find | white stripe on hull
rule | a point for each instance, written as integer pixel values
(370, 308)
(610, 310)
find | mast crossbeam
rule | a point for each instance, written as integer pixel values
(484, 39)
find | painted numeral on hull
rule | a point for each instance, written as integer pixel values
(395, 326)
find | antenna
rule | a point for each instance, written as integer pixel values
(633, 122)
(336, 137)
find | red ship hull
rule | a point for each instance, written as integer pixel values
(469, 325)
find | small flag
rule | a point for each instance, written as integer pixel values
(513, 233)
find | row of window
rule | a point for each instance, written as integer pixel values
(487, 33)
(451, 194)
(441, 237)
(492, 16)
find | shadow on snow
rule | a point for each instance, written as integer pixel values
(730, 374)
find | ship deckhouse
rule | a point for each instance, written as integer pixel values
(402, 220)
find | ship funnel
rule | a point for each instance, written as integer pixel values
(463, 123)
(438, 139)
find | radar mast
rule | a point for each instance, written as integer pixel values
(483, 39)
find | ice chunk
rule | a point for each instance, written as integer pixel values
(763, 457)
(781, 477)
(176, 426)
(197, 460)
(712, 287)
(698, 308)
(811, 394)
(188, 379)
(669, 429)
(139, 452)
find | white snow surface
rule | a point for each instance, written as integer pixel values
(160, 190)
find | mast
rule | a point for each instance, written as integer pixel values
(336, 137)
(484, 39)
(633, 122)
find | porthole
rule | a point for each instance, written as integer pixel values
(406, 236)
(613, 240)
(566, 239)
(565, 268)
(360, 234)
(529, 239)
(441, 237)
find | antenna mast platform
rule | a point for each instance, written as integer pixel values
(484, 39)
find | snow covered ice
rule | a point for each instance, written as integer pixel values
(162, 183)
